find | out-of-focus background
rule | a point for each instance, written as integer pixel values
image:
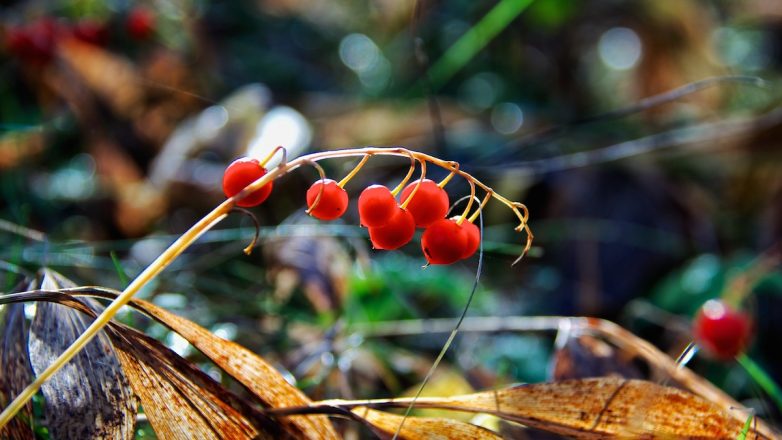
(118, 119)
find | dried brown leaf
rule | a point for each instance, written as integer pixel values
(259, 377)
(386, 424)
(586, 356)
(16, 146)
(15, 371)
(180, 401)
(602, 408)
(112, 78)
(319, 264)
(90, 396)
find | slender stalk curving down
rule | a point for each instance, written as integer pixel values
(213, 218)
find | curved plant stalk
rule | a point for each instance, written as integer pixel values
(247, 249)
(467, 208)
(409, 198)
(404, 181)
(320, 191)
(213, 218)
(454, 169)
(353, 172)
(478, 211)
(269, 156)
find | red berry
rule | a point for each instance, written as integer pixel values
(429, 204)
(473, 238)
(397, 232)
(722, 331)
(376, 206)
(91, 31)
(35, 43)
(333, 200)
(140, 23)
(444, 242)
(242, 172)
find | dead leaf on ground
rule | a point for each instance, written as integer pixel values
(319, 264)
(265, 382)
(89, 397)
(16, 146)
(109, 76)
(603, 408)
(245, 366)
(180, 401)
(16, 371)
(596, 408)
(385, 425)
(587, 356)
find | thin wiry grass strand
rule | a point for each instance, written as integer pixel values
(456, 327)
(642, 105)
(711, 133)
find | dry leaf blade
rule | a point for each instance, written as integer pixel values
(90, 397)
(15, 371)
(420, 428)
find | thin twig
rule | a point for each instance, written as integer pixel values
(709, 132)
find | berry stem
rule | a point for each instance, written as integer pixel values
(249, 248)
(417, 185)
(477, 212)
(404, 181)
(454, 169)
(469, 203)
(322, 179)
(270, 155)
(355, 171)
(213, 218)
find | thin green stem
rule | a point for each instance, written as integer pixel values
(759, 375)
(475, 39)
(123, 277)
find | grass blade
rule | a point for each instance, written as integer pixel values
(475, 39)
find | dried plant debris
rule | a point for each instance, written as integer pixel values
(596, 408)
(587, 356)
(318, 264)
(385, 425)
(268, 385)
(16, 371)
(90, 397)
(161, 378)
(180, 400)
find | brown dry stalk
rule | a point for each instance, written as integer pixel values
(213, 218)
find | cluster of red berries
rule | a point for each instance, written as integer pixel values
(391, 225)
(36, 42)
(721, 330)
